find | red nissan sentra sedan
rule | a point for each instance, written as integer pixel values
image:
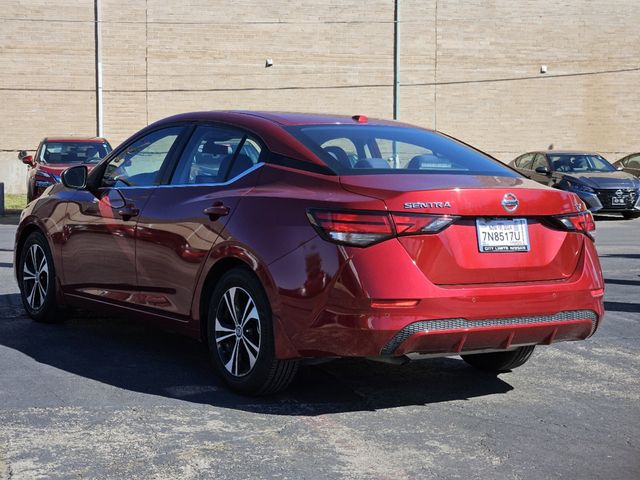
(276, 238)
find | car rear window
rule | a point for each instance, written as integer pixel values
(376, 149)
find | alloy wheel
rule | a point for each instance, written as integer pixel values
(35, 277)
(237, 331)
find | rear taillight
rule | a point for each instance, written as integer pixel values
(578, 222)
(363, 228)
(352, 228)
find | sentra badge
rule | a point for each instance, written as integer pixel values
(427, 205)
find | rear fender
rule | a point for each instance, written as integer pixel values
(222, 258)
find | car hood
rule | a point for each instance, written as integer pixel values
(605, 179)
(58, 168)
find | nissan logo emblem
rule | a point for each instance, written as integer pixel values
(510, 202)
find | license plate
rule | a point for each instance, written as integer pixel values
(617, 201)
(502, 235)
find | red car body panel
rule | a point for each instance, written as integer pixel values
(327, 300)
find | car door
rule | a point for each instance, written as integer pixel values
(98, 252)
(184, 218)
(540, 160)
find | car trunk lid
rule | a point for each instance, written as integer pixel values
(453, 256)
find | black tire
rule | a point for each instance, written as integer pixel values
(500, 361)
(630, 215)
(38, 290)
(234, 341)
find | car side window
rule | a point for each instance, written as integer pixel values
(525, 161)
(215, 154)
(632, 162)
(140, 163)
(539, 161)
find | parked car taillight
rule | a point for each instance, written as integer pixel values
(364, 228)
(577, 222)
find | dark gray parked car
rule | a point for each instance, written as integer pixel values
(598, 183)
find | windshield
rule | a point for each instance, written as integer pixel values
(375, 149)
(579, 163)
(73, 152)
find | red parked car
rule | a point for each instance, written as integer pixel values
(56, 154)
(277, 238)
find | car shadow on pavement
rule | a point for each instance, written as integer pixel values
(617, 281)
(620, 255)
(142, 359)
(11, 217)
(622, 307)
(608, 218)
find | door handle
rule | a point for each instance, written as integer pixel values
(128, 211)
(216, 211)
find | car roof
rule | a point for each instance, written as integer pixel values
(70, 138)
(567, 152)
(269, 126)
(280, 118)
(292, 118)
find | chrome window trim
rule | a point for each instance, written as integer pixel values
(182, 185)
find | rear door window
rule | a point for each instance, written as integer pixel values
(215, 154)
(525, 161)
(633, 162)
(539, 161)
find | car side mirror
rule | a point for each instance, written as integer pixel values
(25, 158)
(543, 170)
(75, 177)
(620, 167)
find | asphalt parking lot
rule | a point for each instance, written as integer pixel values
(100, 397)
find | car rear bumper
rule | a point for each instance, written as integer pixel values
(361, 320)
(395, 333)
(459, 335)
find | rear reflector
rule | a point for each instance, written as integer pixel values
(363, 228)
(394, 303)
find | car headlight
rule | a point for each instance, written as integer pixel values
(579, 187)
(44, 179)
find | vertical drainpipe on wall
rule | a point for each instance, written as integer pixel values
(98, 50)
(396, 71)
(396, 59)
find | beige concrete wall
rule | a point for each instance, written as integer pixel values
(470, 69)
(572, 106)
